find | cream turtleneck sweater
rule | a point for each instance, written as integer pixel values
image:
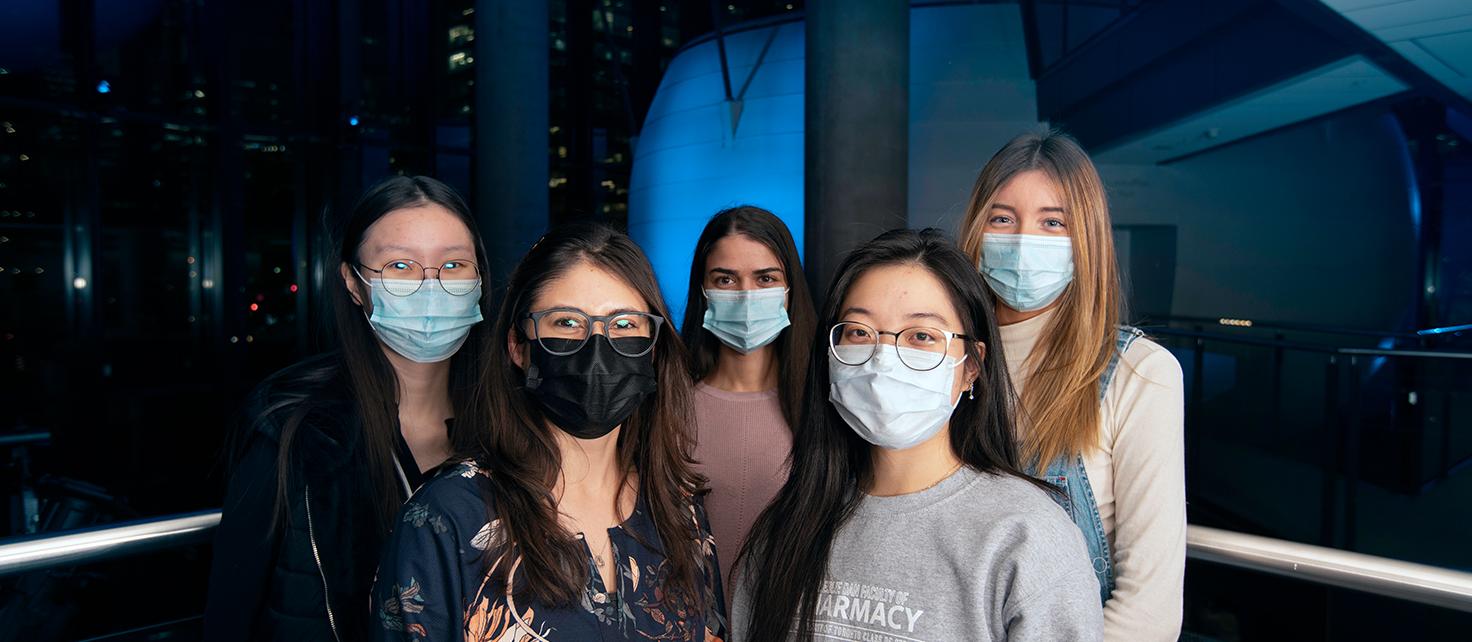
(1139, 481)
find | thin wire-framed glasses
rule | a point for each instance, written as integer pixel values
(403, 277)
(564, 331)
(919, 348)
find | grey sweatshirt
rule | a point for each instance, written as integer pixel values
(977, 557)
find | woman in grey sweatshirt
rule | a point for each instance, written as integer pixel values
(905, 517)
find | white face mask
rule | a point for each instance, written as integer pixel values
(746, 319)
(886, 402)
(1027, 271)
(429, 325)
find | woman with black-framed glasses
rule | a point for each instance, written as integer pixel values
(905, 516)
(333, 445)
(573, 513)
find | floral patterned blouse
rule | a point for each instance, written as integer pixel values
(432, 584)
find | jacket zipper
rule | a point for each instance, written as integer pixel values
(317, 556)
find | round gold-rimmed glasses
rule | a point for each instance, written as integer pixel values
(403, 277)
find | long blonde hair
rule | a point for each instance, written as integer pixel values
(1060, 403)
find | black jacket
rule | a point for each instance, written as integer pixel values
(308, 578)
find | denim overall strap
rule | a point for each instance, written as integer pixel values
(1068, 474)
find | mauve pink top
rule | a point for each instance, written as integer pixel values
(742, 442)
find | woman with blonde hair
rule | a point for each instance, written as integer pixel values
(1101, 413)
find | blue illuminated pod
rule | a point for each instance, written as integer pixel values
(693, 158)
(969, 93)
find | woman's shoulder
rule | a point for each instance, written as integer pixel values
(452, 510)
(313, 384)
(1013, 503)
(451, 507)
(455, 483)
(1152, 361)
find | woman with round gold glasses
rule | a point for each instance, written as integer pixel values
(334, 445)
(905, 515)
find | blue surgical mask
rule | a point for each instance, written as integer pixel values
(886, 402)
(427, 326)
(746, 319)
(1027, 271)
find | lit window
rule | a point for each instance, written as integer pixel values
(460, 34)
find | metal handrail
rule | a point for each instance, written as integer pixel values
(1240, 322)
(1419, 583)
(12, 440)
(1164, 331)
(1264, 324)
(1449, 329)
(1420, 354)
(49, 550)
(1382, 576)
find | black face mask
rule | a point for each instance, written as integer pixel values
(589, 392)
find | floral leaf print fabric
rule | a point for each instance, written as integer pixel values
(419, 515)
(433, 581)
(499, 623)
(405, 600)
(488, 537)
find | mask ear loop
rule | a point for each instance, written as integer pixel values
(360, 277)
(970, 389)
(363, 308)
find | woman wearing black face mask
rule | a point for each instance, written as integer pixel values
(573, 514)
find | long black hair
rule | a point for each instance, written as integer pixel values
(513, 440)
(795, 343)
(786, 556)
(358, 365)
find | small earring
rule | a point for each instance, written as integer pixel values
(971, 391)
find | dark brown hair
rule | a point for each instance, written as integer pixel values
(794, 344)
(514, 442)
(787, 553)
(358, 364)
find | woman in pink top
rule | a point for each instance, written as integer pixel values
(749, 323)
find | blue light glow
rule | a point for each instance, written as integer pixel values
(1447, 330)
(103, 87)
(969, 94)
(689, 164)
(353, 121)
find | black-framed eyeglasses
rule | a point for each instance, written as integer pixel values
(919, 348)
(403, 277)
(563, 331)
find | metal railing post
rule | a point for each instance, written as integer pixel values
(1193, 409)
(1328, 435)
(1276, 417)
(1351, 452)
